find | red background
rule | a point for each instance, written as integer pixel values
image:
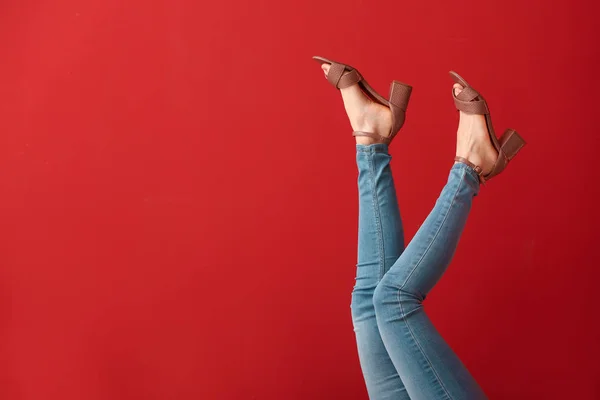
(178, 200)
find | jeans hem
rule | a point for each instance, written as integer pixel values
(372, 148)
(470, 171)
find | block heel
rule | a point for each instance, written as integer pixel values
(511, 143)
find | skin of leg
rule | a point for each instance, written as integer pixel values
(428, 367)
(380, 243)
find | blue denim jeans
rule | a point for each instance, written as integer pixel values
(402, 355)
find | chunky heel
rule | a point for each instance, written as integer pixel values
(399, 97)
(510, 143)
(400, 94)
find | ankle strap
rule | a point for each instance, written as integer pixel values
(476, 168)
(379, 138)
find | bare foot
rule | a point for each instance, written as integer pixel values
(364, 114)
(473, 142)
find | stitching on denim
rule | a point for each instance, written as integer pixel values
(437, 377)
(415, 268)
(377, 213)
(437, 233)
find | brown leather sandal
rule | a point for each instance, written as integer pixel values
(342, 76)
(471, 102)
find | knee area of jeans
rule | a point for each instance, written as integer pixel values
(383, 294)
(388, 295)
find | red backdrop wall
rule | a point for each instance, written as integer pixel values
(178, 201)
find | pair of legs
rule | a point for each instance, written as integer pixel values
(401, 353)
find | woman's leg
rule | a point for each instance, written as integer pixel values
(380, 240)
(427, 366)
(380, 243)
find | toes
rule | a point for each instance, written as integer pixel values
(457, 88)
(325, 68)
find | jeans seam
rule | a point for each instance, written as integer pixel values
(400, 289)
(376, 211)
(436, 234)
(437, 377)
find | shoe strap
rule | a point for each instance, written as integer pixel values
(476, 168)
(468, 94)
(469, 101)
(341, 80)
(378, 138)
